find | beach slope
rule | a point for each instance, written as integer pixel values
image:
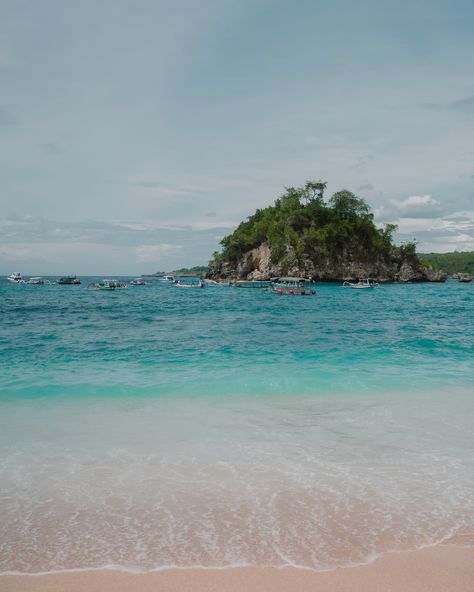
(437, 569)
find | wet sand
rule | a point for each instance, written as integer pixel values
(446, 568)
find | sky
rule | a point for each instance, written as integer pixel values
(134, 135)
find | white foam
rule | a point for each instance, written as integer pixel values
(157, 484)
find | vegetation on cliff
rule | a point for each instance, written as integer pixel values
(304, 231)
(456, 262)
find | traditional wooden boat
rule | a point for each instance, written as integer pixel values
(181, 284)
(251, 284)
(292, 286)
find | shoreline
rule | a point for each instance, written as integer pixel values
(432, 569)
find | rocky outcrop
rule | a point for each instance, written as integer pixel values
(257, 264)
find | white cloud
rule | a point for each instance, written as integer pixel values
(416, 206)
(202, 225)
(154, 253)
(443, 234)
(17, 253)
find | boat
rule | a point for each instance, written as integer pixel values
(292, 285)
(167, 278)
(16, 278)
(361, 284)
(36, 281)
(107, 285)
(69, 280)
(138, 282)
(180, 284)
(251, 284)
(464, 278)
(214, 283)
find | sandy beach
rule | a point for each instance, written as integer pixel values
(446, 568)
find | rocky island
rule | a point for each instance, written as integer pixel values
(303, 235)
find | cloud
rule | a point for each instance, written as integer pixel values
(149, 184)
(365, 187)
(154, 253)
(203, 225)
(443, 234)
(465, 105)
(417, 206)
(18, 253)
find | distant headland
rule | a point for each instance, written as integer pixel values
(304, 235)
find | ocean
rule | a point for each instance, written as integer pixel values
(156, 427)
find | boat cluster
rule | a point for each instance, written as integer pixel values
(278, 285)
(17, 278)
(109, 285)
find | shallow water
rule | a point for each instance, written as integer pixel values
(155, 426)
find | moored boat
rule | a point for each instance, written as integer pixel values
(181, 284)
(464, 278)
(214, 283)
(16, 278)
(69, 280)
(251, 284)
(292, 285)
(107, 285)
(361, 284)
(138, 282)
(36, 281)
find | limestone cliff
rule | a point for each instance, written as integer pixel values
(257, 264)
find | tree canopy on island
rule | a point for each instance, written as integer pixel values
(301, 221)
(456, 262)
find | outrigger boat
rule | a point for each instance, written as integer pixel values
(292, 285)
(107, 285)
(180, 284)
(251, 284)
(361, 284)
(214, 283)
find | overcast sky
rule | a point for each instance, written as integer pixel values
(135, 134)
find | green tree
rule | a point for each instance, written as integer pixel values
(346, 204)
(314, 191)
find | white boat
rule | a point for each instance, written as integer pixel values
(292, 286)
(138, 282)
(167, 278)
(180, 284)
(16, 278)
(361, 284)
(36, 281)
(464, 278)
(107, 285)
(214, 283)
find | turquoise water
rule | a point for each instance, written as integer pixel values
(161, 341)
(155, 426)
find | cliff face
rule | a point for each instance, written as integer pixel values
(256, 264)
